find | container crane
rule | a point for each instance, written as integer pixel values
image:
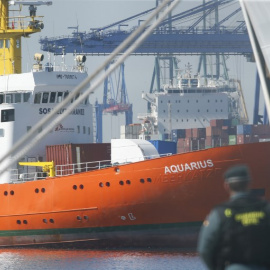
(115, 100)
(225, 37)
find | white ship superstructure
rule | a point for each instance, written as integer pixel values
(189, 104)
(26, 98)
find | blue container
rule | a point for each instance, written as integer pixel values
(244, 129)
(164, 147)
(226, 122)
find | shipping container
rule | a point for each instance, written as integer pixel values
(227, 122)
(180, 142)
(164, 147)
(232, 140)
(213, 131)
(189, 133)
(232, 130)
(216, 123)
(178, 134)
(261, 129)
(199, 132)
(244, 129)
(242, 139)
(234, 122)
(79, 153)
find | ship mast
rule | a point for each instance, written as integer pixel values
(12, 29)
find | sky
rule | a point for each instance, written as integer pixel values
(138, 69)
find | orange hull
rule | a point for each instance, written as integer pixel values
(161, 199)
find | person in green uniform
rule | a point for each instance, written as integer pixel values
(236, 234)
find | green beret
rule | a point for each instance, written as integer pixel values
(237, 173)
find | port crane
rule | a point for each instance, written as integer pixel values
(115, 100)
(223, 38)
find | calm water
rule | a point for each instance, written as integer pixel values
(99, 259)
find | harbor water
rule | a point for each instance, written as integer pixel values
(119, 259)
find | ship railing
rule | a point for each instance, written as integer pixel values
(24, 177)
(53, 67)
(69, 169)
(24, 22)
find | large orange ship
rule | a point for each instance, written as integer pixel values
(159, 201)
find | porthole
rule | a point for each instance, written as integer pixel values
(45, 220)
(37, 190)
(51, 220)
(25, 221)
(75, 187)
(79, 218)
(128, 182)
(86, 217)
(18, 222)
(11, 192)
(149, 180)
(43, 190)
(101, 184)
(121, 183)
(108, 184)
(5, 193)
(142, 180)
(81, 186)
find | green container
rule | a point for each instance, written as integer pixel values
(235, 122)
(232, 139)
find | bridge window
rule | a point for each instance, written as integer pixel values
(7, 115)
(59, 97)
(9, 98)
(26, 97)
(18, 98)
(45, 97)
(66, 94)
(37, 98)
(52, 97)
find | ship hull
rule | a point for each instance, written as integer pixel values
(158, 202)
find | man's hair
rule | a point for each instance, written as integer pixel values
(238, 186)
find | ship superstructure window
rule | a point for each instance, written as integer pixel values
(45, 97)
(52, 97)
(1, 98)
(2, 132)
(18, 98)
(37, 98)
(7, 115)
(84, 129)
(26, 97)
(66, 94)
(9, 98)
(59, 97)
(1, 43)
